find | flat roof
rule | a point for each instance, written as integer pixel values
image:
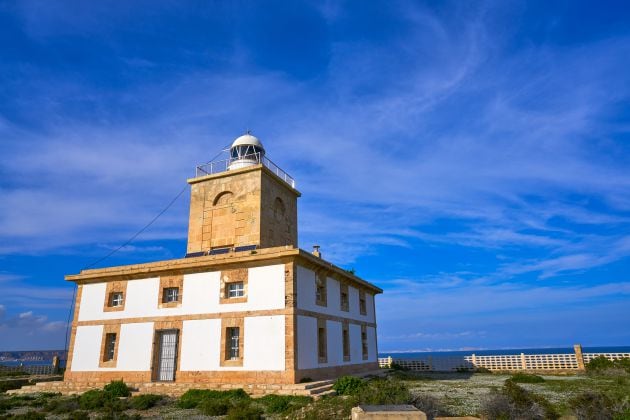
(198, 264)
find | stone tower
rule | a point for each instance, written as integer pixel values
(252, 204)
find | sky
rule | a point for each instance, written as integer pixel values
(471, 158)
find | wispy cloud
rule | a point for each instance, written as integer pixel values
(445, 130)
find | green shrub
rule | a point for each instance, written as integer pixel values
(598, 364)
(244, 411)
(430, 406)
(78, 415)
(13, 384)
(592, 405)
(29, 415)
(622, 364)
(526, 378)
(283, 403)
(214, 406)
(348, 385)
(384, 391)
(94, 399)
(16, 401)
(144, 402)
(62, 405)
(194, 397)
(514, 402)
(117, 389)
(191, 398)
(14, 373)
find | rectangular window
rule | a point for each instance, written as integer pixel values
(110, 347)
(362, 305)
(171, 294)
(172, 291)
(116, 299)
(320, 290)
(322, 352)
(345, 304)
(364, 342)
(233, 286)
(346, 343)
(236, 289)
(233, 339)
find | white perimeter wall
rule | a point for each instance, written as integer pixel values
(307, 344)
(200, 296)
(306, 288)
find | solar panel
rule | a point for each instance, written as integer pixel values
(195, 254)
(218, 251)
(245, 248)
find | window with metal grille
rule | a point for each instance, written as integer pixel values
(171, 294)
(344, 301)
(235, 289)
(320, 290)
(346, 343)
(364, 343)
(233, 340)
(116, 299)
(110, 347)
(362, 306)
(321, 344)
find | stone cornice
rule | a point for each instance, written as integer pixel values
(215, 263)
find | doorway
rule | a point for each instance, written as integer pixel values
(166, 346)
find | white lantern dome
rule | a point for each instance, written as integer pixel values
(246, 150)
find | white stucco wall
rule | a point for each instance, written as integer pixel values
(200, 295)
(264, 346)
(264, 343)
(306, 288)
(335, 344)
(87, 348)
(307, 344)
(135, 347)
(355, 343)
(201, 345)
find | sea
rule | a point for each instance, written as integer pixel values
(485, 352)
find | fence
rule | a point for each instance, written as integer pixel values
(218, 166)
(512, 362)
(31, 369)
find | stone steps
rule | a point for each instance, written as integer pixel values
(313, 389)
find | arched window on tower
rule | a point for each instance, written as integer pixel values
(223, 198)
(279, 209)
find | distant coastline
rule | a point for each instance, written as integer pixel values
(32, 357)
(486, 352)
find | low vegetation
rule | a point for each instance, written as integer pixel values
(602, 393)
(526, 378)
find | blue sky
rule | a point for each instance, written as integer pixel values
(470, 158)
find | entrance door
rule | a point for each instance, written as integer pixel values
(167, 355)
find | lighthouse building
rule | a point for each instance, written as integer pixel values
(244, 306)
